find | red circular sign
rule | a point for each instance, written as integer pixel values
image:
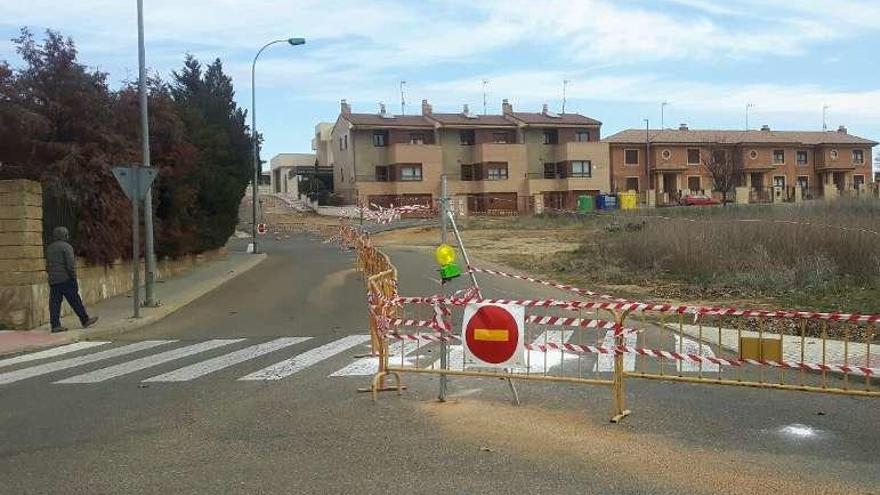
(492, 334)
(261, 228)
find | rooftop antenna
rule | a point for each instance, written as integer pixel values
(748, 106)
(485, 83)
(662, 107)
(402, 98)
(824, 121)
(564, 87)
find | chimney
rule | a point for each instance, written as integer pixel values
(465, 110)
(842, 129)
(426, 108)
(544, 109)
(382, 110)
(765, 127)
(344, 107)
(682, 127)
(506, 107)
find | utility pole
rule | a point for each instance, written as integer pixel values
(150, 251)
(485, 83)
(824, 121)
(748, 106)
(647, 149)
(402, 98)
(662, 119)
(564, 87)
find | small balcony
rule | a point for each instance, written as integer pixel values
(500, 152)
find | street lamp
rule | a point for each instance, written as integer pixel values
(256, 180)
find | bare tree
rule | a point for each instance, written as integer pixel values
(725, 163)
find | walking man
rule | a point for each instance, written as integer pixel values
(61, 267)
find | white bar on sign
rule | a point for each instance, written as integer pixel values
(302, 361)
(14, 376)
(218, 363)
(147, 362)
(53, 352)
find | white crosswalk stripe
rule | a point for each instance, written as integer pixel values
(605, 362)
(218, 363)
(302, 361)
(147, 362)
(53, 352)
(690, 346)
(43, 369)
(370, 365)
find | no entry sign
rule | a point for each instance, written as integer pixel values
(493, 334)
(262, 228)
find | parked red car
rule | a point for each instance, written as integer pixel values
(697, 200)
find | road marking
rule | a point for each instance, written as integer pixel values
(53, 352)
(689, 346)
(14, 376)
(605, 362)
(536, 360)
(298, 363)
(370, 365)
(218, 363)
(147, 362)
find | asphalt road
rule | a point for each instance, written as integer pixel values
(123, 425)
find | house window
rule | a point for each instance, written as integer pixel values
(694, 183)
(803, 182)
(380, 138)
(551, 136)
(416, 138)
(778, 156)
(858, 156)
(549, 170)
(631, 157)
(834, 154)
(632, 184)
(500, 137)
(802, 157)
(467, 172)
(582, 136)
(693, 156)
(753, 154)
(583, 168)
(345, 141)
(779, 181)
(466, 137)
(496, 171)
(561, 170)
(340, 144)
(410, 173)
(858, 182)
(381, 173)
(666, 154)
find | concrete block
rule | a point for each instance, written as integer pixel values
(21, 239)
(741, 195)
(11, 225)
(21, 252)
(20, 185)
(22, 265)
(9, 279)
(19, 212)
(21, 199)
(651, 198)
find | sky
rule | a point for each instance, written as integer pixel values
(708, 59)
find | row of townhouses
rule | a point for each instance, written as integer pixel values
(516, 160)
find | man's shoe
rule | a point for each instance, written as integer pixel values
(91, 321)
(59, 329)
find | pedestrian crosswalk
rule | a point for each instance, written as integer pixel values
(253, 360)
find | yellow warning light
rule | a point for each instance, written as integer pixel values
(445, 254)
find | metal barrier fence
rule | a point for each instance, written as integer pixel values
(601, 340)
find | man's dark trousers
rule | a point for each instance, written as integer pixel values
(65, 290)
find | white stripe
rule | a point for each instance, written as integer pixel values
(693, 347)
(298, 363)
(218, 363)
(14, 376)
(370, 365)
(536, 360)
(605, 362)
(147, 362)
(53, 352)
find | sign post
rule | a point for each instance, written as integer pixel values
(135, 182)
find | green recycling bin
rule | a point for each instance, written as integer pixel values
(585, 204)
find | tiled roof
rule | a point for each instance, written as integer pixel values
(375, 120)
(563, 119)
(695, 136)
(457, 119)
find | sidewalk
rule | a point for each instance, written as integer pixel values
(115, 313)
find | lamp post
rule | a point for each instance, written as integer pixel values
(256, 180)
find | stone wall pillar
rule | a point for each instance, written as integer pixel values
(23, 289)
(798, 194)
(741, 195)
(538, 202)
(651, 198)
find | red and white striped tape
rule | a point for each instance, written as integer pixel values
(546, 283)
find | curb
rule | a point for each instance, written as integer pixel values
(151, 315)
